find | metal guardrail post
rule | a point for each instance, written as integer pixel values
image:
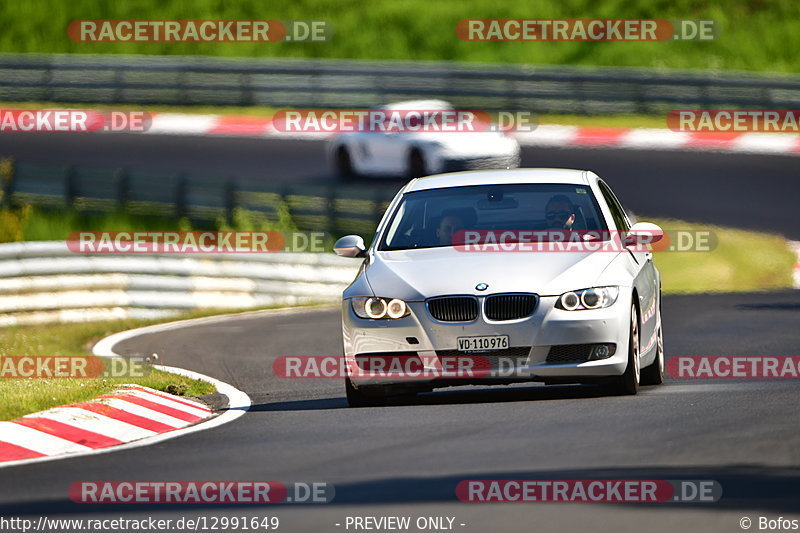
(48, 83)
(284, 200)
(6, 180)
(377, 208)
(230, 199)
(181, 193)
(70, 185)
(330, 208)
(246, 99)
(118, 85)
(123, 187)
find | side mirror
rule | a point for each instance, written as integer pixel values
(350, 246)
(642, 234)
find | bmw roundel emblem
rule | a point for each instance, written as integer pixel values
(481, 286)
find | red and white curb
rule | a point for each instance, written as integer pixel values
(132, 417)
(129, 414)
(795, 247)
(545, 135)
(660, 139)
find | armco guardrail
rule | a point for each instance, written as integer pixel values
(45, 282)
(116, 79)
(337, 209)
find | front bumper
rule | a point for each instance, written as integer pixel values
(531, 339)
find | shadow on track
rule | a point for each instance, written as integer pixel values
(455, 397)
(744, 486)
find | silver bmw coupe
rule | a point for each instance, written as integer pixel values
(498, 277)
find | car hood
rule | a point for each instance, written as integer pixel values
(423, 273)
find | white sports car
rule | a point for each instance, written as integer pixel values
(424, 302)
(412, 154)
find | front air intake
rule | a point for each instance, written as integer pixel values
(453, 308)
(510, 306)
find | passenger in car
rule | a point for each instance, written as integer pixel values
(453, 221)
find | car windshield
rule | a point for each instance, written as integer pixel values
(432, 218)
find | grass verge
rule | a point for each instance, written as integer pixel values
(30, 223)
(741, 261)
(23, 396)
(755, 34)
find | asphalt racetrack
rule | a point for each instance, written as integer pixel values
(406, 459)
(739, 190)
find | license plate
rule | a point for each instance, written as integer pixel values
(485, 343)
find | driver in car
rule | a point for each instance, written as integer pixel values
(559, 213)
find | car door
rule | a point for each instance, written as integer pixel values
(646, 279)
(362, 152)
(388, 151)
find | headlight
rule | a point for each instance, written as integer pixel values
(380, 308)
(593, 298)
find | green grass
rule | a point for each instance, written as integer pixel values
(28, 223)
(23, 396)
(741, 261)
(756, 34)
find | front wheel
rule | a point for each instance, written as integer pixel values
(628, 383)
(653, 374)
(344, 165)
(416, 164)
(357, 398)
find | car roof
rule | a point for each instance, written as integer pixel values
(418, 105)
(489, 177)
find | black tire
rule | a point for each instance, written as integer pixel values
(653, 374)
(416, 164)
(356, 398)
(628, 382)
(344, 165)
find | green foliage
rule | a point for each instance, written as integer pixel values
(13, 223)
(246, 220)
(756, 34)
(28, 223)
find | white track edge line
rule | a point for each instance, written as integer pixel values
(238, 401)
(104, 347)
